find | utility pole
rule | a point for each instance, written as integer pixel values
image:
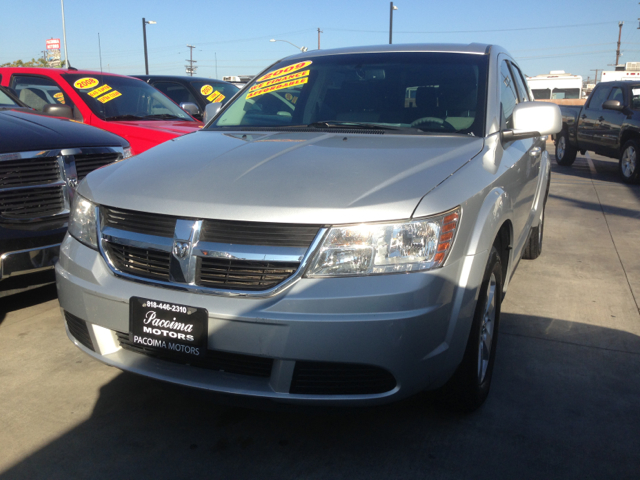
(44, 55)
(596, 70)
(619, 36)
(190, 68)
(319, 32)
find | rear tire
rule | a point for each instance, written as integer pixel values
(565, 153)
(469, 387)
(628, 166)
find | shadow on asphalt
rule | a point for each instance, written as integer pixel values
(26, 299)
(556, 410)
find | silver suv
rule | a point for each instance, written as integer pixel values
(342, 232)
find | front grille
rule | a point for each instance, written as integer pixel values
(140, 262)
(29, 171)
(214, 360)
(31, 202)
(87, 163)
(79, 330)
(256, 233)
(139, 222)
(322, 378)
(242, 274)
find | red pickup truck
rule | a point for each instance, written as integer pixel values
(122, 105)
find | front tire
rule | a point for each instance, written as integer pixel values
(628, 166)
(469, 387)
(565, 153)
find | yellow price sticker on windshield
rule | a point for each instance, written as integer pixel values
(206, 90)
(216, 97)
(86, 82)
(99, 91)
(279, 86)
(109, 96)
(285, 70)
(59, 97)
(286, 78)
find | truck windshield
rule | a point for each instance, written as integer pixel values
(408, 92)
(115, 98)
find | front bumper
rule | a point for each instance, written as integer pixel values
(413, 326)
(24, 269)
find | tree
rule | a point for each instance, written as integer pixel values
(40, 62)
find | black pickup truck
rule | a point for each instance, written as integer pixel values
(608, 124)
(41, 160)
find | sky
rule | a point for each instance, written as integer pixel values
(232, 38)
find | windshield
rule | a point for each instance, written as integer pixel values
(410, 92)
(123, 98)
(215, 92)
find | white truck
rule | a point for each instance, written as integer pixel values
(557, 85)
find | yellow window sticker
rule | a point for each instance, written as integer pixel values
(59, 97)
(86, 82)
(206, 90)
(279, 86)
(291, 98)
(109, 96)
(286, 78)
(216, 97)
(285, 70)
(99, 91)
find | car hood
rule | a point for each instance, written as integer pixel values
(317, 178)
(22, 130)
(174, 127)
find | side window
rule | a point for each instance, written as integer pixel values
(38, 91)
(523, 91)
(635, 97)
(616, 94)
(508, 96)
(176, 92)
(598, 97)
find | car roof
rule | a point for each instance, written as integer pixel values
(58, 71)
(185, 78)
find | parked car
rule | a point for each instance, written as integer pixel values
(122, 105)
(41, 161)
(608, 124)
(321, 241)
(196, 91)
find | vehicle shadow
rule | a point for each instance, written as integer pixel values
(26, 299)
(558, 409)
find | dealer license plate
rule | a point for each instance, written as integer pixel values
(168, 327)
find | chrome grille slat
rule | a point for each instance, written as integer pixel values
(29, 203)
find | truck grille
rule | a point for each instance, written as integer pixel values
(29, 203)
(241, 274)
(87, 163)
(30, 171)
(140, 262)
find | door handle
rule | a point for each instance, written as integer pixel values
(534, 152)
(583, 116)
(601, 118)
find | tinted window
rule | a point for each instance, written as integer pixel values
(6, 101)
(215, 92)
(411, 92)
(523, 93)
(598, 97)
(616, 94)
(176, 92)
(38, 91)
(508, 95)
(541, 93)
(635, 97)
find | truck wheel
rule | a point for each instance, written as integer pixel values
(565, 153)
(469, 387)
(629, 168)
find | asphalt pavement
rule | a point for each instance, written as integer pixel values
(565, 399)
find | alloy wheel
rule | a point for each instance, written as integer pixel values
(629, 160)
(560, 148)
(487, 329)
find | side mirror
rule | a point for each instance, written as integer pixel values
(613, 105)
(191, 108)
(55, 110)
(533, 119)
(210, 111)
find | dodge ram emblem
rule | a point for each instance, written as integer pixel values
(180, 249)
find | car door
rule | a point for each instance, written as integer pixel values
(591, 117)
(612, 121)
(37, 92)
(519, 157)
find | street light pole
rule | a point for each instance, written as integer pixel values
(302, 49)
(64, 37)
(391, 9)
(144, 37)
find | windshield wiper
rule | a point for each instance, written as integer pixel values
(339, 124)
(163, 116)
(124, 117)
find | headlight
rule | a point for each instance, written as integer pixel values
(82, 222)
(368, 249)
(126, 153)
